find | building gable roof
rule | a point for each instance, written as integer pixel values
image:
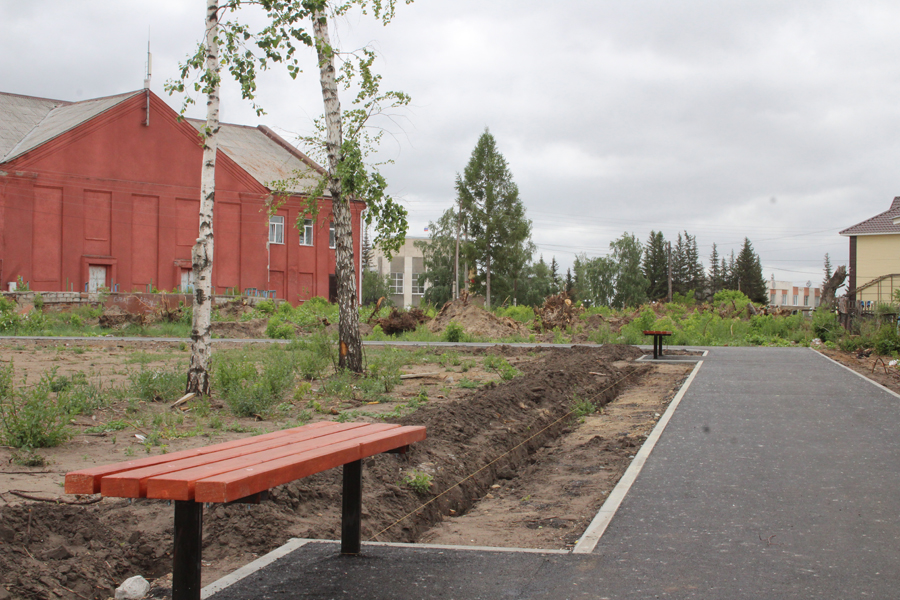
(29, 122)
(880, 224)
(266, 156)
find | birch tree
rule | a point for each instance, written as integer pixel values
(202, 251)
(343, 135)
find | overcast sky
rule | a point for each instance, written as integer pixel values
(777, 121)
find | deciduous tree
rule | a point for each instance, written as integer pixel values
(341, 137)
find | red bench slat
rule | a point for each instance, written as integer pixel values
(233, 485)
(133, 482)
(87, 481)
(179, 485)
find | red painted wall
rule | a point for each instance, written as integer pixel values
(117, 193)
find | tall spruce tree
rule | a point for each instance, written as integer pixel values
(696, 279)
(716, 277)
(656, 267)
(748, 272)
(500, 244)
(554, 276)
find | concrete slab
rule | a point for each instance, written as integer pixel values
(775, 478)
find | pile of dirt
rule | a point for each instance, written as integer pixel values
(59, 551)
(557, 312)
(234, 309)
(114, 317)
(252, 329)
(476, 321)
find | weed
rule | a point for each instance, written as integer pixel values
(157, 384)
(116, 425)
(468, 384)
(29, 417)
(29, 459)
(581, 407)
(250, 390)
(417, 481)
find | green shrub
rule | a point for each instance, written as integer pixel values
(454, 332)
(727, 296)
(887, 342)
(29, 417)
(825, 325)
(277, 329)
(266, 307)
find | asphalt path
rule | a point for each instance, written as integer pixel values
(776, 477)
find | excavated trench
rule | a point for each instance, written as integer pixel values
(491, 434)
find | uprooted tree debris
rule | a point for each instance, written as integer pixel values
(557, 312)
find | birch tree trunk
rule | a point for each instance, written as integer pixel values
(350, 343)
(202, 252)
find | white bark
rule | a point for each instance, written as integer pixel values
(350, 350)
(202, 252)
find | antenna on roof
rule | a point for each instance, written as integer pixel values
(149, 71)
(149, 65)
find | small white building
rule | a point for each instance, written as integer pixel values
(786, 294)
(404, 269)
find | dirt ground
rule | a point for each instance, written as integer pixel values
(509, 465)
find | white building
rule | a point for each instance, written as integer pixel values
(404, 270)
(786, 294)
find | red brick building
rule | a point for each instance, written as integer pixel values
(106, 192)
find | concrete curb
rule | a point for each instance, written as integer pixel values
(601, 521)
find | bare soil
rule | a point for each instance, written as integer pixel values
(509, 465)
(873, 366)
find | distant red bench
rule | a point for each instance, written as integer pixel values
(658, 341)
(241, 471)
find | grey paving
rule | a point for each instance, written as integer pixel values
(776, 478)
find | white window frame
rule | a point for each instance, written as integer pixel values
(796, 300)
(306, 235)
(331, 243)
(415, 286)
(397, 282)
(805, 300)
(276, 229)
(784, 299)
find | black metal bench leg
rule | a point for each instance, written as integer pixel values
(655, 346)
(188, 548)
(351, 515)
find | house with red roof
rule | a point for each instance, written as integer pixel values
(875, 258)
(105, 193)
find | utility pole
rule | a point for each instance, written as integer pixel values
(669, 261)
(456, 265)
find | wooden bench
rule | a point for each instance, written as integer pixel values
(658, 341)
(242, 471)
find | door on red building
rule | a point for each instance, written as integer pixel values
(332, 288)
(96, 277)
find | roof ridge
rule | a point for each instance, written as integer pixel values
(35, 97)
(15, 151)
(895, 208)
